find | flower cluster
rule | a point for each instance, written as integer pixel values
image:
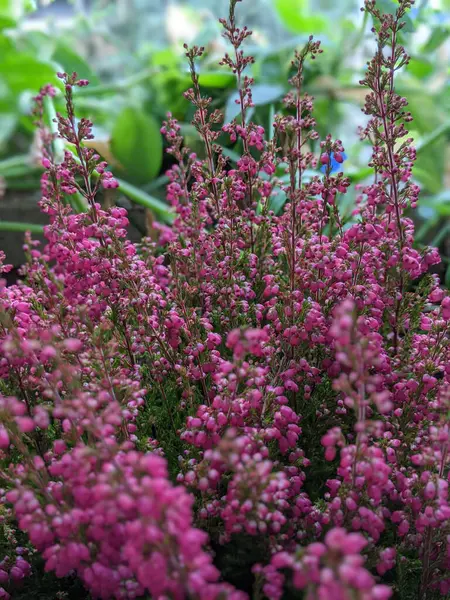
(256, 379)
(333, 568)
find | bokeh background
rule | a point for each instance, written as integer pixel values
(132, 53)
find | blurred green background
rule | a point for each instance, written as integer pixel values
(132, 53)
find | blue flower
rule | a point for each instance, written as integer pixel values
(336, 166)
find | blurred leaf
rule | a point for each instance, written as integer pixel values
(277, 202)
(296, 18)
(8, 122)
(20, 227)
(15, 9)
(261, 94)
(234, 156)
(21, 72)
(78, 203)
(409, 25)
(437, 37)
(425, 108)
(430, 139)
(58, 142)
(38, 44)
(420, 67)
(439, 204)
(165, 58)
(440, 236)
(6, 46)
(137, 144)
(359, 175)
(447, 277)
(159, 182)
(430, 220)
(390, 7)
(6, 22)
(70, 61)
(159, 208)
(216, 79)
(387, 6)
(427, 178)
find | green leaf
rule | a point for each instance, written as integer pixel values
(447, 277)
(420, 67)
(20, 227)
(15, 9)
(430, 180)
(58, 142)
(261, 94)
(159, 208)
(433, 137)
(440, 236)
(39, 44)
(6, 22)
(70, 61)
(6, 45)
(359, 174)
(425, 108)
(296, 17)
(388, 7)
(137, 144)
(216, 79)
(8, 122)
(277, 202)
(78, 203)
(21, 72)
(29, 5)
(409, 25)
(437, 37)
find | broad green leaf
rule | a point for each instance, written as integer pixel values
(437, 37)
(212, 79)
(297, 18)
(29, 5)
(216, 79)
(426, 109)
(387, 6)
(440, 236)
(21, 72)
(420, 67)
(8, 122)
(447, 277)
(390, 7)
(261, 94)
(432, 181)
(38, 44)
(6, 46)
(409, 25)
(15, 9)
(6, 22)
(277, 202)
(137, 145)
(359, 175)
(159, 208)
(433, 137)
(166, 58)
(71, 61)
(21, 227)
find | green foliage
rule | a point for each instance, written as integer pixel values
(137, 145)
(134, 82)
(298, 18)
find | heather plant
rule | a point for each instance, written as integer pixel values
(256, 404)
